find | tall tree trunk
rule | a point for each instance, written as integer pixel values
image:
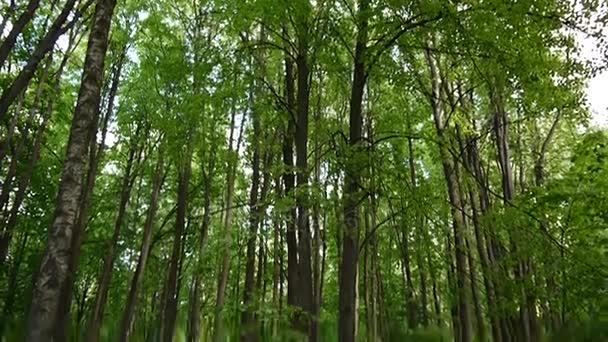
(316, 217)
(289, 184)
(218, 333)
(19, 149)
(249, 329)
(501, 135)
(422, 235)
(469, 151)
(172, 294)
(95, 156)
(194, 314)
(306, 322)
(436, 301)
(350, 240)
(9, 42)
(129, 311)
(54, 266)
(277, 261)
(105, 276)
(464, 319)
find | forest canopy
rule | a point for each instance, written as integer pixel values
(302, 170)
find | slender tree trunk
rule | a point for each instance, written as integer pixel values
(172, 294)
(24, 181)
(316, 218)
(464, 319)
(436, 301)
(7, 141)
(469, 151)
(501, 133)
(54, 266)
(249, 331)
(105, 277)
(12, 287)
(420, 221)
(293, 262)
(7, 15)
(46, 44)
(129, 311)
(350, 246)
(218, 333)
(9, 42)
(194, 314)
(277, 260)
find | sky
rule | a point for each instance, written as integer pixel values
(597, 95)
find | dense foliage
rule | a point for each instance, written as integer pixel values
(301, 170)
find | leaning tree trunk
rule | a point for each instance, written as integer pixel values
(54, 266)
(108, 262)
(46, 44)
(26, 176)
(9, 42)
(129, 312)
(95, 156)
(350, 241)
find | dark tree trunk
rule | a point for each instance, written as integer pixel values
(289, 184)
(249, 331)
(172, 293)
(46, 44)
(54, 267)
(9, 42)
(350, 240)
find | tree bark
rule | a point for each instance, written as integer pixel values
(86, 197)
(350, 239)
(464, 319)
(54, 266)
(306, 322)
